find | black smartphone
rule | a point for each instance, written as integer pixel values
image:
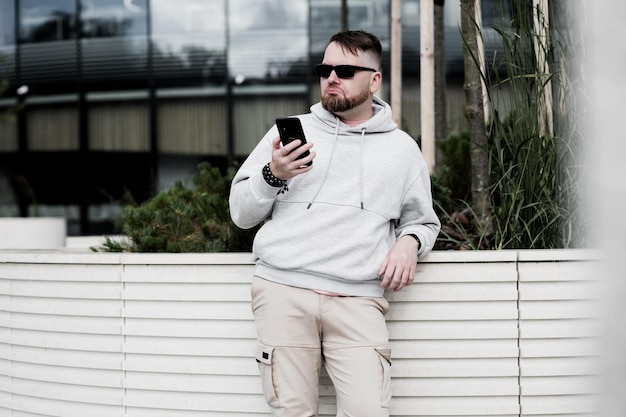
(290, 129)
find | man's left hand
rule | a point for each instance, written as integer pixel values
(398, 268)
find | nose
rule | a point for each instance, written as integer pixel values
(332, 77)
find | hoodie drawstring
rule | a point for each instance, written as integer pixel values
(362, 163)
(332, 152)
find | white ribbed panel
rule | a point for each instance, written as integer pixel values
(454, 340)
(560, 329)
(105, 335)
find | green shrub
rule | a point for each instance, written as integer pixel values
(455, 168)
(184, 220)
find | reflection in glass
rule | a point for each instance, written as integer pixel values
(268, 40)
(189, 40)
(7, 22)
(48, 48)
(105, 18)
(114, 41)
(7, 49)
(369, 15)
(53, 20)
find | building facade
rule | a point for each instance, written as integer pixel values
(103, 97)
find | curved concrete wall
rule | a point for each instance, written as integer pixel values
(107, 335)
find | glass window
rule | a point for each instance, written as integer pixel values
(105, 18)
(268, 40)
(52, 20)
(8, 132)
(370, 15)
(327, 14)
(53, 128)
(495, 13)
(119, 126)
(7, 48)
(189, 41)
(7, 22)
(114, 43)
(188, 17)
(48, 44)
(411, 13)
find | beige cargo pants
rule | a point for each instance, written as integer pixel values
(300, 330)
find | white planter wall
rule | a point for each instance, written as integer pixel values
(502, 333)
(32, 232)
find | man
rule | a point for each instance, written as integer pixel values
(337, 233)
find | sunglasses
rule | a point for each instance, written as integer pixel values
(342, 71)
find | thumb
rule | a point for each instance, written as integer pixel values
(276, 143)
(383, 267)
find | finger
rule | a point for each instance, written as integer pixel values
(291, 146)
(302, 149)
(386, 280)
(282, 154)
(410, 275)
(383, 267)
(410, 279)
(410, 270)
(402, 278)
(296, 157)
(406, 278)
(398, 280)
(308, 159)
(382, 273)
(390, 279)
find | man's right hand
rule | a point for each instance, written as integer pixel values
(284, 164)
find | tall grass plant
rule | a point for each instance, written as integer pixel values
(535, 173)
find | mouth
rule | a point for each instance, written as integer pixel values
(333, 91)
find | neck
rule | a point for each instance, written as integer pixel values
(352, 123)
(356, 116)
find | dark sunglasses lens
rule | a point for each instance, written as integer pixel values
(323, 70)
(344, 71)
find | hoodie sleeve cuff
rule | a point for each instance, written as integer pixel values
(263, 189)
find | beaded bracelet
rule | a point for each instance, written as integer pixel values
(273, 180)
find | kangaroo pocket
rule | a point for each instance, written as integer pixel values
(322, 247)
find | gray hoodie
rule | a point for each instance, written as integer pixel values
(331, 231)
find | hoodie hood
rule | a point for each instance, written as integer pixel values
(380, 122)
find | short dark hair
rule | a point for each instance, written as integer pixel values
(359, 40)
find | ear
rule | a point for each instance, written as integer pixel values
(375, 82)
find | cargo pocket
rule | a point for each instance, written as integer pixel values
(264, 357)
(385, 390)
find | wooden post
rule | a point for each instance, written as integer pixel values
(478, 17)
(396, 61)
(541, 45)
(427, 81)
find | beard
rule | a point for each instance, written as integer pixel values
(340, 103)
